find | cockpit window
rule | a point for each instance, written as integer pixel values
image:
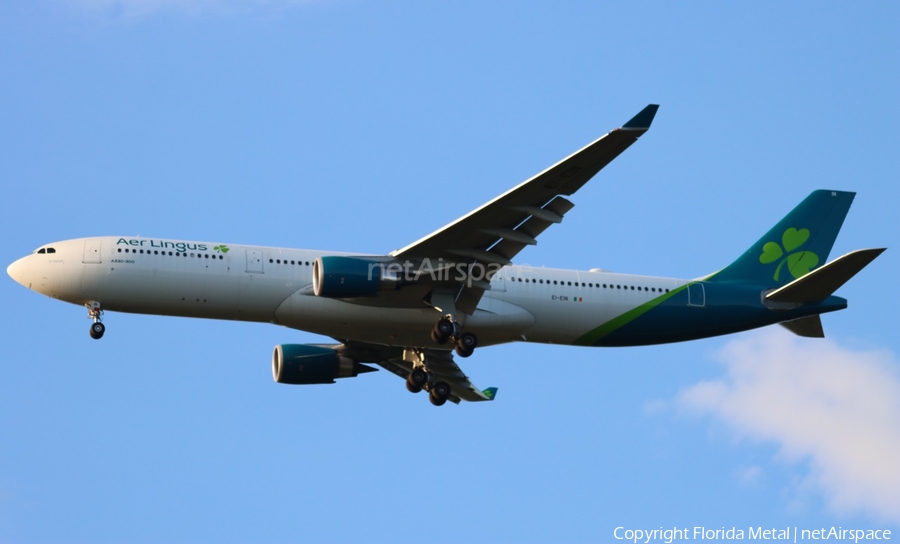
(42, 251)
(51, 250)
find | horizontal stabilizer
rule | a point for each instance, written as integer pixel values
(808, 327)
(825, 280)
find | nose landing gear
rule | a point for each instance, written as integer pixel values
(95, 312)
(97, 330)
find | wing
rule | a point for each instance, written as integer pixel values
(445, 369)
(497, 231)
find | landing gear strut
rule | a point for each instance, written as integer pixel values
(95, 312)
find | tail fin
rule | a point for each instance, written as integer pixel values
(797, 244)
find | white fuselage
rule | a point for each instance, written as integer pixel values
(268, 284)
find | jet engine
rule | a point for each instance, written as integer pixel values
(345, 277)
(308, 364)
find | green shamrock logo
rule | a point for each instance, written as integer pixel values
(800, 263)
(221, 249)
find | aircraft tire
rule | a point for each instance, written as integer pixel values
(468, 340)
(462, 351)
(412, 388)
(417, 378)
(445, 329)
(97, 330)
(440, 392)
(437, 338)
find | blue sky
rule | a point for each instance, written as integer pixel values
(361, 127)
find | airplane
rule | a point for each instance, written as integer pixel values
(457, 289)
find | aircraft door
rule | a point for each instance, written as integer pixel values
(92, 250)
(696, 295)
(254, 261)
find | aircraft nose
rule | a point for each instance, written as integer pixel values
(16, 271)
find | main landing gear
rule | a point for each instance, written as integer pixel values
(95, 312)
(420, 378)
(448, 329)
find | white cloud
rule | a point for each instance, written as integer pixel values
(138, 8)
(836, 408)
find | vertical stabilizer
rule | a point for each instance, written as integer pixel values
(796, 245)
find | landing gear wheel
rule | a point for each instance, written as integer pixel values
(466, 344)
(463, 352)
(443, 330)
(416, 379)
(97, 330)
(412, 388)
(440, 392)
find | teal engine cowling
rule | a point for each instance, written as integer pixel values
(308, 364)
(346, 277)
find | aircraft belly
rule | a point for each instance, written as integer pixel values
(339, 319)
(187, 290)
(494, 321)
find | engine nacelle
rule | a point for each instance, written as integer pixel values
(345, 277)
(308, 364)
